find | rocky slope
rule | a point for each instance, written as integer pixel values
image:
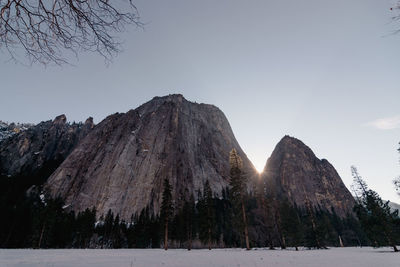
(122, 163)
(40, 147)
(9, 129)
(294, 173)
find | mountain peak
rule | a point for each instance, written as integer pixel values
(170, 97)
(124, 160)
(293, 172)
(61, 119)
(292, 146)
(290, 140)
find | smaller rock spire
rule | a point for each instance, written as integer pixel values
(61, 119)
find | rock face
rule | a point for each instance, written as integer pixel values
(294, 173)
(45, 145)
(8, 130)
(122, 163)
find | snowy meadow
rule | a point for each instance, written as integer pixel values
(333, 257)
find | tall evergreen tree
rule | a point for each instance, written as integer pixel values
(262, 216)
(189, 216)
(225, 220)
(278, 222)
(313, 236)
(238, 191)
(166, 209)
(375, 216)
(291, 226)
(85, 222)
(207, 215)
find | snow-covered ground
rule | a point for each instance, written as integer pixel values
(334, 257)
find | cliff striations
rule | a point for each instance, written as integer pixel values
(294, 173)
(122, 163)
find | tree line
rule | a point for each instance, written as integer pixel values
(209, 222)
(236, 217)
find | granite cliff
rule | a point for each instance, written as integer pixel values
(121, 164)
(9, 129)
(41, 148)
(295, 174)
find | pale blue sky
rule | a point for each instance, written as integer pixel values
(322, 71)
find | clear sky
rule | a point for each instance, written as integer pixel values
(326, 72)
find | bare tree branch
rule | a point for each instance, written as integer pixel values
(45, 29)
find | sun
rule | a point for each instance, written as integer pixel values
(259, 169)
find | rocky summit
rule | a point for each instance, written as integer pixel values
(121, 164)
(7, 130)
(295, 174)
(39, 149)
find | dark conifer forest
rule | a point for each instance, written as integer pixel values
(30, 219)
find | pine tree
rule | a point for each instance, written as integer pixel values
(271, 222)
(313, 236)
(207, 215)
(375, 216)
(291, 226)
(262, 215)
(225, 220)
(85, 227)
(108, 228)
(189, 214)
(278, 223)
(238, 191)
(166, 209)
